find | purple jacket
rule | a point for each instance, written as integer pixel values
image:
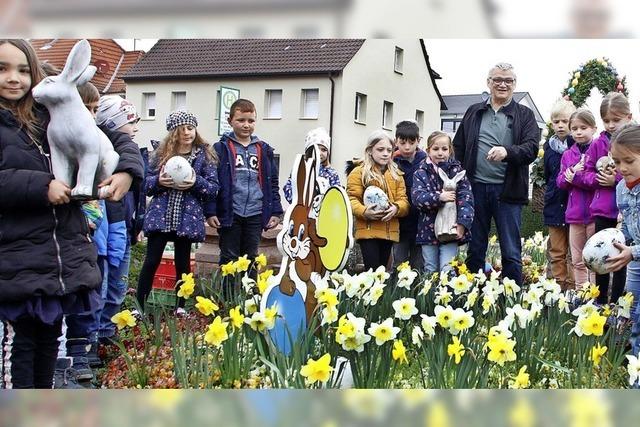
(579, 196)
(604, 198)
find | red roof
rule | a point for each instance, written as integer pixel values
(112, 61)
(194, 58)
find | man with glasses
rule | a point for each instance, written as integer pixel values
(496, 141)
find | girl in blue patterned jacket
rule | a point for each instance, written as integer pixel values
(625, 150)
(428, 197)
(176, 212)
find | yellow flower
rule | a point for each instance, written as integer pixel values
(463, 269)
(596, 354)
(186, 289)
(187, 278)
(217, 332)
(522, 379)
(242, 264)
(206, 306)
(236, 316)
(346, 328)
(454, 262)
(270, 314)
(592, 292)
(456, 349)
(501, 350)
(257, 321)
(263, 280)
(317, 370)
(328, 296)
(399, 352)
(261, 261)
(124, 319)
(593, 324)
(404, 266)
(228, 268)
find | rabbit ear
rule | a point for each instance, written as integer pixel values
(87, 75)
(301, 176)
(443, 175)
(77, 62)
(459, 176)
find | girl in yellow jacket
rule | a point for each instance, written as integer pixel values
(376, 230)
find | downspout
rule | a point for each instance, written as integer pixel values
(331, 101)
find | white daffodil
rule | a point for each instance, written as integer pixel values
(429, 325)
(443, 296)
(444, 316)
(417, 336)
(406, 277)
(460, 284)
(511, 288)
(384, 331)
(634, 369)
(405, 308)
(462, 320)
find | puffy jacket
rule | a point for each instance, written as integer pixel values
(397, 193)
(427, 186)
(579, 196)
(520, 155)
(604, 198)
(44, 249)
(409, 223)
(555, 198)
(191, 224)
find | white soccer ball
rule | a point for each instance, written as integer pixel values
(375, 196)
(179, 169)
(599, 248)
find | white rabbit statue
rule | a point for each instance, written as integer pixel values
(447, 218)
(81, 154)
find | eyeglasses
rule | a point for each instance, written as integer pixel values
(499, 80)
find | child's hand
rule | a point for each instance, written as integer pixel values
(460, 231)
(213, 221)
(578, 166)
(615, 263)
(448, 196)
(118, 183)
(273, 221)
(164, 179)
(569, 174)
(58, 193)
(606, 178)
(372, 214)
(187, 183)
(389, 213)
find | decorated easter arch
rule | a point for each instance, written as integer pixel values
(598, 73)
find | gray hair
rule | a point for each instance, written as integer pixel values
(504, 66)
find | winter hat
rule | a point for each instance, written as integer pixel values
(318, 136)
(179, 118)
(115, 112)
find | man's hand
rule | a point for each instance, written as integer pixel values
(119, 183)
(273, 221)
(213, 221)
(497, 154)
(58, 193)
(615, 263)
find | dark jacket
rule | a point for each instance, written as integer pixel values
(555, 198)
(425, 196)
(191, 224)
(520, 155)
(44, 249)
(222, 205)
(409, 223)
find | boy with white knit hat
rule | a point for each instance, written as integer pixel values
(328, 175)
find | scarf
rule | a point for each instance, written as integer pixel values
(557, 145)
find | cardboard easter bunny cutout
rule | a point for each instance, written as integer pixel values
(447, 218)
(81, 154)
(315, 239)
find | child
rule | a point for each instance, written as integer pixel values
(176, 212)
(615, 113)
(408, 157)
(555, 198)
(428, 197)
(376, 230)
(582, 124)
(249, 198)
(47, 259)
(625, 149)
(328, 175)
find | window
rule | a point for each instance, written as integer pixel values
(387, 114)
(447, 126)
(310, 103)
(420, 119)
(397, 63)
(178, 101)
(361, 108)
(149, 105)
(273, 104)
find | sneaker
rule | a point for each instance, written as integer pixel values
(92, 356)
(64, 376)
(82, 368)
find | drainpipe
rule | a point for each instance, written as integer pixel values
(331, 101)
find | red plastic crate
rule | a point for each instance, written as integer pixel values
(165, 277)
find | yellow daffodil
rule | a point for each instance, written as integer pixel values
(242, 264)
(399, 352)
(456, 350)
(124, 319)
(317, 370)
(187, 278)
(261, 261)
(263, 280)
(270, 314)
(592, 292)
(454, 263)
(228, 268)
(596, 354)
(236, 316)
(328, 296)
(521, 380)
(217, 332)
(501, 350)
(404, 266)
(186, 289)
(206, 306)
(462, 269)
(593, 324)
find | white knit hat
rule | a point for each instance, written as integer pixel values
(318, 136)
(115, 112)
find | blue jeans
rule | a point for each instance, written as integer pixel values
(633, 286)
(436, 258)
(508, 219)
(114, 288)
